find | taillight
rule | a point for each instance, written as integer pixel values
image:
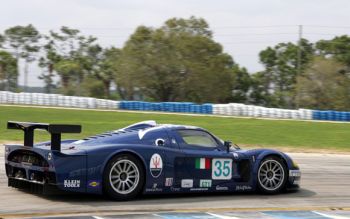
(28, 158)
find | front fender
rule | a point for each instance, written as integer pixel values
(259, 154)
(263, 153)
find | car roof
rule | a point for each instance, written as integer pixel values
(151, 124)
(139, 129)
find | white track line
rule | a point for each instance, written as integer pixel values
(331, 216)
(222, 216)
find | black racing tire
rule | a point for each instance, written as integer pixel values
(114, 188)
(272, 175)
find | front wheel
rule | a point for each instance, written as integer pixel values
(272, 175)
(123, 177)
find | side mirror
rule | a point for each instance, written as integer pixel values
(227, 144)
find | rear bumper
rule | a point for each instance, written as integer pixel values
(33, 174)
(32, 179)
(32, 186)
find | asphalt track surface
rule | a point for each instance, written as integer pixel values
(325, 188)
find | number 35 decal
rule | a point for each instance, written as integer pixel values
(221, 169)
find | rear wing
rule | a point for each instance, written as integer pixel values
(54, 129)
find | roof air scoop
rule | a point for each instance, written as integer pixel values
(139, 126)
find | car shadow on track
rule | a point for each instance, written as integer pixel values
(97, 200)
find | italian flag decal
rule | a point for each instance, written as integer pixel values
(202, 163)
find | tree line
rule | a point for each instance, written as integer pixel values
(179, 61)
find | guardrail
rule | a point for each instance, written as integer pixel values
(229, 109)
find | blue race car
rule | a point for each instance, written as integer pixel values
(143, 158)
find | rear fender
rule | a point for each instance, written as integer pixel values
(120, 151)
(70, 171)
(97, 162)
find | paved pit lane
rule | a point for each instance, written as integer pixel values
(325, 186)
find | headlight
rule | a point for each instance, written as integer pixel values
(7, 150)
(295, 165)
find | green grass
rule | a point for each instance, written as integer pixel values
(253, 132)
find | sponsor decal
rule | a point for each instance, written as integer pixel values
(199, 189)
(175, 189)
(221, 169)
(221, 188)
(202, 163)
(154, 188)
(169, 182)
(206, 183)
(156, 165)
(294, 173)
(187, 183)
(296, 182)
(243, 188)
(71, 183)
(94, 183)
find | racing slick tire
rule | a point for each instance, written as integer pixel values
(123, 177)
(272, 175)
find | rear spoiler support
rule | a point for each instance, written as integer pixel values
(54, 129)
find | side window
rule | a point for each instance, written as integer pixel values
(198, 138)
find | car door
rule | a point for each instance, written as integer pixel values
(204, 163)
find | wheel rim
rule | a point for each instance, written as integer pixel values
(124, 176)
(271, 175)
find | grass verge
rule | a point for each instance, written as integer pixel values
(251, 132)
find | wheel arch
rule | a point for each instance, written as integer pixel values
(104, 171)
(271, 153)
(124, 151)
(275, 154)
(278, 156)
(129, 152)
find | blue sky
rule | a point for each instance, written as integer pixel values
(243, 27)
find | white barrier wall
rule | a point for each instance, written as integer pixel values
(230, 109)
(238, 109)
(56, 100)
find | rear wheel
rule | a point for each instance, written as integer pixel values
(123, 177)
(272, 175)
